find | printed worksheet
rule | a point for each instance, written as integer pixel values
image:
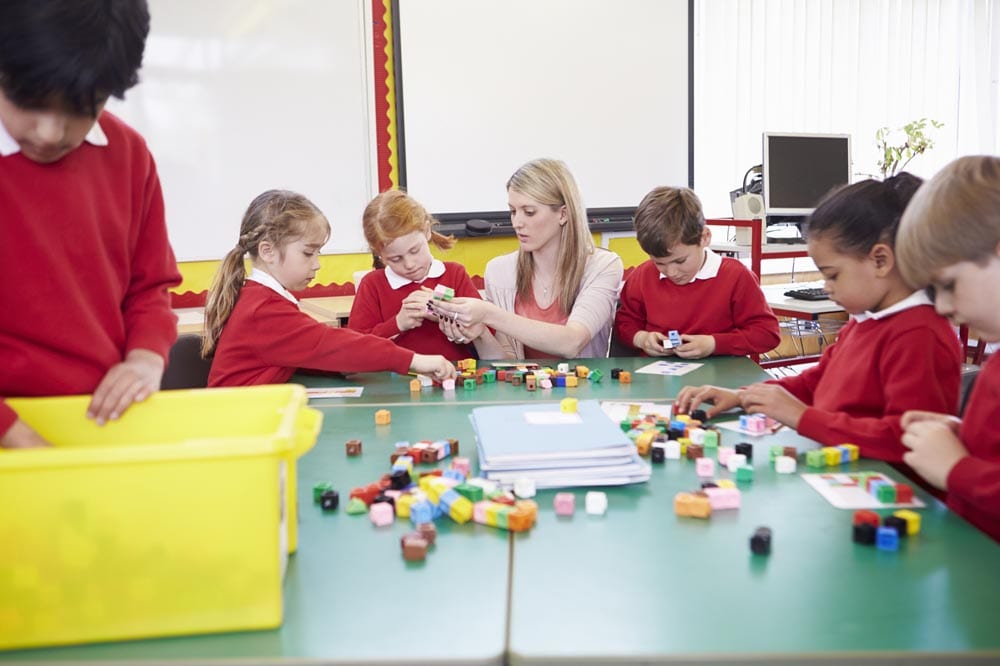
(844, 491)
(668, 368)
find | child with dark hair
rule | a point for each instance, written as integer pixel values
(896, 354)
(85, 258)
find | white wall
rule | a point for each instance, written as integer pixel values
(491, 84)
(238, 97)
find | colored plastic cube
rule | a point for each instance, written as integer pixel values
(381, 514)
(911, 518)
(448, 384)
(745, 449)
(886, 493)
(353, 446)
(524, 487)
(383, 417)
(596, 503)
(744, 474)
(760, 542)
(704, 467)
(723, 498)
(816, 458)
(692, 505)
(785, 465)
(625, 377)
(864, 534)
(329, 500)
(564, 503)
(672, 449)
(595, 375)
(568, 405)
(904, 493)
(735, 461)
(319, 489)
(886, 538)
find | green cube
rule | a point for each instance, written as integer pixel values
(471, 493)
(502, 517)
(595, 375)
(815, 458)
(490, 376)
(776, 450)
(886, 494)
(319, 489)
(469, 384)
(711, 440)
(625, 425)
(356, 506)
(744, 474)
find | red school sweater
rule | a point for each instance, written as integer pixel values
(974, 482)
(878, 369)
(85, 266)
(377, 304)
(730, 307)
(267, 338)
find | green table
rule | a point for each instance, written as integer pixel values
(635, 585)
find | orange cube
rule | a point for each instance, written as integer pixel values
(625, 377)
(692, 505)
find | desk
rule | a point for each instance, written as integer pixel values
(333, 310)
(635, 585)
(785, 306)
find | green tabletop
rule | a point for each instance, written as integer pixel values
(638, 584)
(641, 585)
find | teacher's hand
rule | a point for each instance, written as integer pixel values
(463, 311)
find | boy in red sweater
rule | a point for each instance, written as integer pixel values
(949, 238)
(716, 304)
(85, 255)
(894, 355)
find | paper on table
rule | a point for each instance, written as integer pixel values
(339, 392)
(671, 368)
(843, 492)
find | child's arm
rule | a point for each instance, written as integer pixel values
(366, 312)
(721, 399)
(630, 320)
(916, 374)
(19, 435)
(755, 328)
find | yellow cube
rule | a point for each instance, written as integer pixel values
(414, 386)
(725, 483)
(633, 411)
(912, 519)
(568, 405)
(582, 371)
(403, 504)
(684, 418)
(832, 455)
(384, 416)
(644, 442)
(571, 381)
(461, 510)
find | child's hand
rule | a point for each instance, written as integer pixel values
(934, 450)
(695, 346)
(434, 366)
(651, 343)
(413, 311)
(721, 399)
(133, 380)
(916, 415)
(774, 401)
(21, 436)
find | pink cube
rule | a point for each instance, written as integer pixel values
(564, 503)
(723, 498)
(704, 467)
(479, 511)
(381, 514)
(461, 465)
(448, 384)
(724, 453)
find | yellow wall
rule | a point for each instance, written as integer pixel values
(473, 253)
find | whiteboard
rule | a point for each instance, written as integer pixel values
(490, 84)
(238, 96)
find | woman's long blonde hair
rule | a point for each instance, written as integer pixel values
(276, 216)
(550, 183)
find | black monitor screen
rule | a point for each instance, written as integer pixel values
(799, 169)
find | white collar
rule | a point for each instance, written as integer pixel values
(8, 146)
(708, 270)
(915, 299)
(396, 280)
(268, 281)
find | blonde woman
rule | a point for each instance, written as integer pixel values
(554, 297)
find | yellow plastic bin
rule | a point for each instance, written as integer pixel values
(176, 519)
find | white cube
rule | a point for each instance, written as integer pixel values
(596, 503)
(448, 384)
(524, 488)
(736, 461)
(785, 465)
(563, 368)
(672, 449)
(696, 435)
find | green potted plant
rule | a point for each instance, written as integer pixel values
(900, 145)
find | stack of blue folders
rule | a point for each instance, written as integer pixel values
(539, 442)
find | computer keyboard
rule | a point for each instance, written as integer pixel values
(807, 294)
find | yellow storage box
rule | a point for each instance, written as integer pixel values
(176, 519)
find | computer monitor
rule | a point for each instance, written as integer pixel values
(799, 169)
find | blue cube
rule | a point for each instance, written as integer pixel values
(887, 538)
(423, 512)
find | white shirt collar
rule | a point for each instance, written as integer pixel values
(8, 146)
(915, 299)
(708, 270)
(268, 281)
(396, 280)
